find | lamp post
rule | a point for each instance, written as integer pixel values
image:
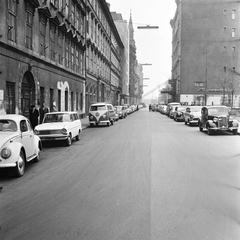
(147, 27)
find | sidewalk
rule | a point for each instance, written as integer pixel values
(85, 122)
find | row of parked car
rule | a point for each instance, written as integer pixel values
(210, 118)
(20, 143)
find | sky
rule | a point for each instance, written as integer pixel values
(153, 45)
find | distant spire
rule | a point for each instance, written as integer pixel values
(131, 30)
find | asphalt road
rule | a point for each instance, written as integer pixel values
(144, 178)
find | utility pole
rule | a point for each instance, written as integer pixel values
(205, 85)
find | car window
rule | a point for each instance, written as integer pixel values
(8, 125)
(23, 126)
(98, 108)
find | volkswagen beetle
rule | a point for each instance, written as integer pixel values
(18, 143)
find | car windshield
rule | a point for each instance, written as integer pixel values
(98, 108)
(218, 110)
(8, 125)
(57, 117)
(195, 109)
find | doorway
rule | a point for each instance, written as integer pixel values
(27, 93)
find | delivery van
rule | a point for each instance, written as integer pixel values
(101, 113)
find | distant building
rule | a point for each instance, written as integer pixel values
(206, 52)
(122, 27)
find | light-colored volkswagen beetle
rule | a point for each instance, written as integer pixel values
(18, 143)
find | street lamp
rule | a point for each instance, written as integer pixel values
(147, 27)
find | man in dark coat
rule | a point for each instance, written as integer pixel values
(33, 116)
(42, 111)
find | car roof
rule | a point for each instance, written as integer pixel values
(69, 112)
(214, 106)
(100, 103)
(12, 116)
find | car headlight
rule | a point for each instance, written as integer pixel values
(230, 118)
(215, 119)
(104, 116)
(36, 132)
(6, 153)
(64, 131)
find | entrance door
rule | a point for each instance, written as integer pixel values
(28, 96)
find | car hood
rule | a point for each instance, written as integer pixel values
(196, 114)
(6, 136)
(51, 126)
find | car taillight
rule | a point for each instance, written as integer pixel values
(6, 153)
(64, 131)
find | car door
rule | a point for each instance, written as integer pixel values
(27, 137)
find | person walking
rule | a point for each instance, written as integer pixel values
(33, 116)
(42, 111)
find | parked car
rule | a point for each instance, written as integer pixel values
(170, 107)
(121, 110)
(217, 118)
(192, 115)
(101, 112)
(18, 143)
(178, 114)
(60, 126)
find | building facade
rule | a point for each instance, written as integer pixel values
(42, 52)
(122, 27)
(103, 55)
(206, 52)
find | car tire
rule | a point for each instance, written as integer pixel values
(78, 136)
(234, 131)
(37, 158)
(185, 122)
(19, 170)
(69, 140)
(209, 131)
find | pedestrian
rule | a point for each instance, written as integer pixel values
(150, 107)
(33, 116)
(42, 111)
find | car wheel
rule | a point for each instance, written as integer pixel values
(37, 158)
(234, 131)
(78, 136)
(69, 140)
(209, 131)
(19, 170)
(200, 127)
(185, 122)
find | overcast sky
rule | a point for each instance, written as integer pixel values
(153, 45)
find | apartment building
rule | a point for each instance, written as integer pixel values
(42, 54)
(206, 52)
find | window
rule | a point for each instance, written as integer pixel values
(42, 36)
(12, 13)
(60, 47)
(59, 100)
(67, 43)
(67, 9)
(52, 41)
(77, 101)
(10, 97)
(77, 60)
(233, 32)
(72, 101)
(72, 56)
(73, 14)
(233, 14)
(29, 27)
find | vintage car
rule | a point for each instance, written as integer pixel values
(217, 118)
(179, 112)
(101, 113)
(122, 111)
(60, 126)
(170, 107)
(192, 115)
(18, 143)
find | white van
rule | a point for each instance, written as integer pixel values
(101, 112)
